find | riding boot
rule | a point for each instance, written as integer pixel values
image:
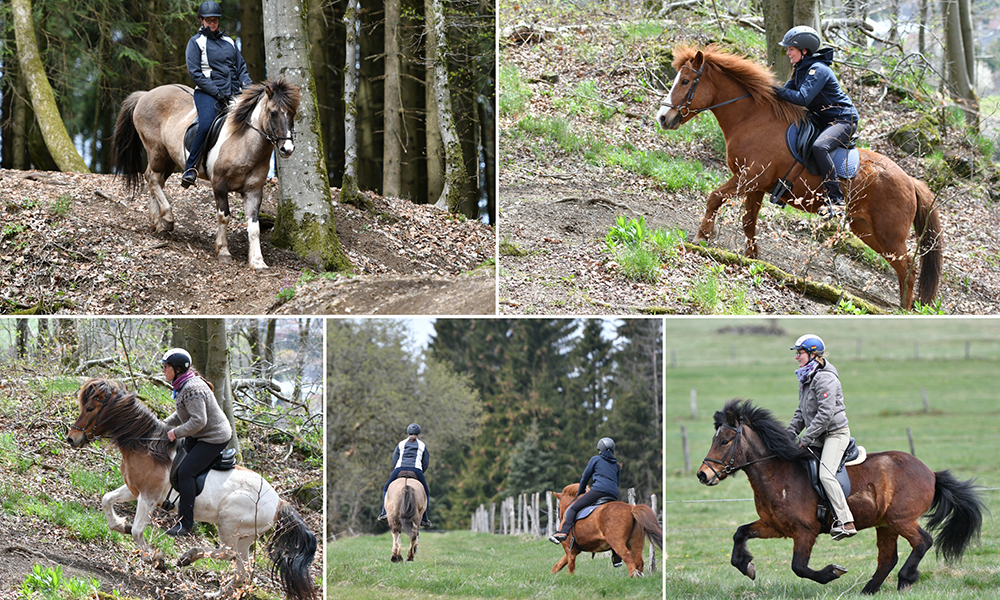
(189, 178)
(616, 561)
(185, 509)
(834, 200)
(424, 521)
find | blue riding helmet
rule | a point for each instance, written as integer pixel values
(810, 343)
(209, 9)
(413, 429)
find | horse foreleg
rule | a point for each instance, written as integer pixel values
(396, 547)
(108, 501)
(715, 199)
(251, 206)
(161, 215)
(223, 214)
(562, 563)
(143, 515)
(887, 558)
(751, 209)
(801, 552)
(921, 542)
(741, 557)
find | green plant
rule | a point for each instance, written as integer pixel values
(62, 205)
(12, 230)
(625, 231)
(667, 241)
(514, 94)
(934, 308)
(847, 307)
(286, 293)
(638, 263)
(48, 582)
(757, 271)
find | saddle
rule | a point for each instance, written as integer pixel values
(800, 138)
(583, 514)
(853, 455)
(210, 140)
(225, 461)
(406, 475)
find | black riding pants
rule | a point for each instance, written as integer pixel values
(581, 502)
(199, 456)
(837, 134)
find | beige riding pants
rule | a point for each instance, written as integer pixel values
(833, 450)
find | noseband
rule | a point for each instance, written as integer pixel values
(684, 109)
(93, 425)
(730, 458)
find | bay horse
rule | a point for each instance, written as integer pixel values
(883, 202)
(405, 503)
(889, 491)
(241, 502)
(616, 526)
(262, 117)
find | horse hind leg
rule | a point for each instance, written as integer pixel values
(413, 544)
(920, 542)
(161, 214)
(887, 559)
(397, 548)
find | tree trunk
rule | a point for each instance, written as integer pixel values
(777, 20)
(959, 69)
(300, 359)
(318, 31)
(922, 38)
(21, 124)
(454, 167)
(252, 38)
(42, 100)
(23, 338)
(392, 145)
(305, 207)
(218, 372)
(434, 147)
(487, 198)
(349, 192)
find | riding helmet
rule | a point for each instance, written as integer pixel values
(802, 37)
(178, 358)
(606, 444)
(413, 429)
(810, 343)
(209, 9)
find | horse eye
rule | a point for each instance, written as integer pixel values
(90, 409)
(685, 81)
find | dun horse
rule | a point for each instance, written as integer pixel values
(405, 504)
(616, 526)
(239, 501)
(890, 491)
(883, 202)
(260, 119)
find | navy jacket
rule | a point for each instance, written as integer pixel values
(605, 472)
(814, 86)
(215, 64)
(411, 455)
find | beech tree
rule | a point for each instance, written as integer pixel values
(960, 58)
(454, 166)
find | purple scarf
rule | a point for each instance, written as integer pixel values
(804, 373)
(180, 380)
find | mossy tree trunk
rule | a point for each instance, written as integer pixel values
(435, 149)
(42, 99)
(349, 192)
(392, 148)
(454, 167)
(305, 221)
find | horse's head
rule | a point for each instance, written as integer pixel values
(689, 91)
(92, 398)
(280, 105)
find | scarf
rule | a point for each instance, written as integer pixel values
(804, 373)
(180, 380)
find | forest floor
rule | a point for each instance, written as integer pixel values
(79, 244)
(42, 525)
(557, 205)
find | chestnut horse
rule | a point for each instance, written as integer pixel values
(616, 526)
(261, 118)
(405, 504)
(239, 501)
(883, 202)
(889, 491)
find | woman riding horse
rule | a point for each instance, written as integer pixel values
(219, 73)
(198, 418)
(821, 414)
(606, 472)
(410, 455)
(814, 86)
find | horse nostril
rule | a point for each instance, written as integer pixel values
(702, 477)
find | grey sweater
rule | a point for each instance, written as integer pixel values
(198, 414)
(821, 406)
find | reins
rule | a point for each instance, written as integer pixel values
(685, 109)
(730, 457)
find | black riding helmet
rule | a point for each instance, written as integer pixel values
(413, 429)
(178, 358)
(209, 9)
(802, 37)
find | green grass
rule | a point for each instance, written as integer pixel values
(463, 565)
(703, 128)
(882, 383)
(85, 523)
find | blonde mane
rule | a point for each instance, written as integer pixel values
(758, 80)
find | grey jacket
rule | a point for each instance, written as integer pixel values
(198, 414)
(821, 406)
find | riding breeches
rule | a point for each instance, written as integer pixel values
(205, 105)
(199, 456)
(834, 446)
(420, 478)
(581, 502)
(837, 134)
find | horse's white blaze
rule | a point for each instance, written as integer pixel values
(287, 146)
(664, 109)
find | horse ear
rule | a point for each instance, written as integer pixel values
(269, 89)
(698, 60)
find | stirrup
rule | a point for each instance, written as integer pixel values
(186, 181)
(838, 532)
(178, 530)
(557, 538)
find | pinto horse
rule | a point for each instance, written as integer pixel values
(239, 501)
(890, 491)
(405, 503)
(883, 202)
(261, 118)
(616, 526)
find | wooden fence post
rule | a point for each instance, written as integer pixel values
(687, 450)
(493, 517)
(909, 436)
(923, 396)
(549, 527)
(694, 404)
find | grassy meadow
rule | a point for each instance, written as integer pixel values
(465, 565)
(885, 365)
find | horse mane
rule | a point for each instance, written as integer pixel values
(127, 421)
(758, 80)
(285, 95)
(774, 435)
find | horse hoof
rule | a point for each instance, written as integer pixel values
(187, 558)
(751, 572)
(396, 558)
(839, 570)
(225, 258)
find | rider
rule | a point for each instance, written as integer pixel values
(410, 455)
(814, 86)
(198, 418)
(821, 414)
(605, 471)
(219, 73)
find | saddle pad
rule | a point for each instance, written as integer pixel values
(846, 161)
(583, 514)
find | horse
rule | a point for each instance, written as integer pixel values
(241, 502)
(889, 491)
(262, 117)
(882, 201)
(616, 526)
(405, 503)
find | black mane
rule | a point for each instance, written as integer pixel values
(282, 93)
(774, 435)
(128, 421)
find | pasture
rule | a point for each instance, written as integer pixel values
(886, 365)
(464, 565)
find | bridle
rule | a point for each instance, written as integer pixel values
(270, 137)
(93, 424)
(730, 457)
(684, 109)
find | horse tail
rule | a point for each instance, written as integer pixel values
(291, 550)
(958, 512)
(126, 147)
(408, 510)
(928, 225)
(646, 519)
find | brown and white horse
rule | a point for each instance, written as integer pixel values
(261, 118)
(405, 504)
(240, 502)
